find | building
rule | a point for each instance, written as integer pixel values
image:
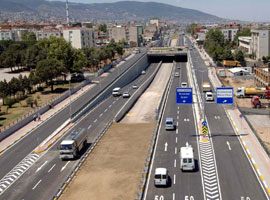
(238, 71)
(154, 21)
(244, 44)
(260, 42)
(7, 34)
(128, 33)
(79, 37)
(47, 33)
(262, 76)
(230, 30)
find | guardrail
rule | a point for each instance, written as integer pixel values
(82, 160)
(147, 164)
(128, 105)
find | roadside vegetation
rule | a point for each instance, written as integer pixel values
(46, 60)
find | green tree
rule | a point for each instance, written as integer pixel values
(3, 90)
(14, 86)
(244, 32)
(80, 60)
(191, 28)
(239, 55)
(102, 27)
(49, 69)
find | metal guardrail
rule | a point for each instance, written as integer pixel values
(147, 164)
(82, 160)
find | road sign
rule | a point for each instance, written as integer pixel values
(224, 95)
(184, 96)
(204, 123)
(204, 130)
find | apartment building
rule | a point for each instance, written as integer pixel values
(79, 37)
(262, 76)
(244, 44)
(154, 21)
(230, 30)
(7, 35)
(47, 33)
(260, 42)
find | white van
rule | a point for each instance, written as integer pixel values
(161, 177)
(169, 123)
(209, 96)
(187, 158)
(116, 92)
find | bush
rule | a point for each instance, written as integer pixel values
(40, 89)
(30, 101)
(10, 102)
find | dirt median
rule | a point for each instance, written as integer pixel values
(113, 170)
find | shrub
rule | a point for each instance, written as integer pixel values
(30, 101)
(10, 102)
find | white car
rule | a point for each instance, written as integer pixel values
(126, 95)
(176, 74)
(135, 86)
(209, 96)
(184, 84)
(143, 72)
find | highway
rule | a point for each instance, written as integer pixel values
(43, 179)
(236, 176)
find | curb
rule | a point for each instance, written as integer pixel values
(245, 147)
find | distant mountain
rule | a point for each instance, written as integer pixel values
(119, 11)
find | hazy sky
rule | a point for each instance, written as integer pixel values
(249, 10)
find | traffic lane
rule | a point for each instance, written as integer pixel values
(239, 179)
(30, 142)
(95, 129)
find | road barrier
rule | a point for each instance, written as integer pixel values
(132, 100)
(149, 159)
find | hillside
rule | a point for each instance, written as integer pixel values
(119, 11)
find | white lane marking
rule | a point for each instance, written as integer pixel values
(178, 112)
(106, 110)
(177, 117)
(101, 115)
(166, 145)
(114, 102)
(41, 166)
(176, 140)
(36, 184)
(177, 124)
(65, 166)
(89, 126)
(175, 150)
(173, 196)
(95, 121)
(110, 106)
(51, 168)
(229, 145)
(174, 162)
(174, 179)
(177, 131)
(178, 107)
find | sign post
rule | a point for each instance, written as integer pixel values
(224, 95)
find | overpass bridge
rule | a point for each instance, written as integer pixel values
(167, 54)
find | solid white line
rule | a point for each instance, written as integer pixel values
(174, 162)
(174, 179)
(89, 126)
(51, 168)
(36, 184)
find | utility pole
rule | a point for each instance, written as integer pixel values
(67, 12)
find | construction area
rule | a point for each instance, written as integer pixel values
(114, 169)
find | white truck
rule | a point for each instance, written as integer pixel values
(206, 87)
(187, 158)
(71, 146)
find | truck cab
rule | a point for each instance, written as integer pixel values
(116, 92)
(187, 158)
(67, 149)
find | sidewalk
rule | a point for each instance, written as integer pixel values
(255, 152)
(30, 127)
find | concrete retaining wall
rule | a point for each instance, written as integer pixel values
(129, 104)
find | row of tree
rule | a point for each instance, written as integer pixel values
(48, 59)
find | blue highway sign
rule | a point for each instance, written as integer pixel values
(224, 95)
(204, 123)
(184, 96)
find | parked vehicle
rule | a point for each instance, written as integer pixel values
(71, 146)
(116, 92)
(187, 158)
(206, 87)
(257, 102)
(231, 63)
(169, 123)
(161, 177)
(249, 92)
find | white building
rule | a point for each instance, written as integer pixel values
(128, 33)
(7, 35)
(46, 33)
(260, 42)
(244, 44)
(154, 21)
(79, 37)
(229, 33)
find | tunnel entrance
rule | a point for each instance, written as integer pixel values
(167, 58)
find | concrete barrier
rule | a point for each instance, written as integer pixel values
(129, 104)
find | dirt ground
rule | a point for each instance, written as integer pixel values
(261, 123)
(145, 109)
(113, 169)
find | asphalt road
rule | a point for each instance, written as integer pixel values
(43, 179)
(236, 177)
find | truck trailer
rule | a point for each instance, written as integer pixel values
(249, 92)
(71, 146)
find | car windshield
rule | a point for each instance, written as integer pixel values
(66, 146)
(169, 123)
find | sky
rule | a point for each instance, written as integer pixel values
(246, 10)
